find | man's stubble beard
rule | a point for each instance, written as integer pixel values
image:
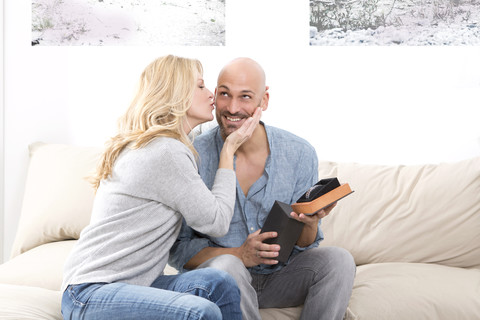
(223, 130)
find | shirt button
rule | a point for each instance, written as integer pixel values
(251, 228)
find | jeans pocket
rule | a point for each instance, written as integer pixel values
(79, 294)
(68, 303)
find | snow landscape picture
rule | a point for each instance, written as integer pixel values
(395, 22)
(132, 22)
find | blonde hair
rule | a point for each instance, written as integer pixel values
(164, 95)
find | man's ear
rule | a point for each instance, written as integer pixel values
(215, 97)
(265, 99)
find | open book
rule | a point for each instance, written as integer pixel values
(323, 194)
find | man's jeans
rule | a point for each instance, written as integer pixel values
(321, 279)
(199, 294)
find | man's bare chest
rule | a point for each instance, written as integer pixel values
(249, 170)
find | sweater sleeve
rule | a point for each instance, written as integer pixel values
(181, 188)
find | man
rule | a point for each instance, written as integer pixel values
(272, 165)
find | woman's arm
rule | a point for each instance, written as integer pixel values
(206, 211)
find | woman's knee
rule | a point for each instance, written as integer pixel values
(216, 280)
(203, 309)
(223, 280)
(221, 288)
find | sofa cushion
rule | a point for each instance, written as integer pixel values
(405, 291)
(29, 303)
(39, 267)
(420, 213)
(58, 199)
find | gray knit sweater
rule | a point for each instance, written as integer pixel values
(137, 214)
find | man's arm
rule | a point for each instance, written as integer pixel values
(310, 230)
(252, 252)
(208, 253)
(187, 245)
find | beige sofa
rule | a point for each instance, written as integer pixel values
(414, 232)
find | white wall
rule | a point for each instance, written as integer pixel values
(372, 105)
(1, 138)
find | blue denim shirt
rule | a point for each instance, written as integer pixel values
(290, 170)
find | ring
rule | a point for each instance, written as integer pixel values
(257, 254)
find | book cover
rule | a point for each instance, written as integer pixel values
(287, 228)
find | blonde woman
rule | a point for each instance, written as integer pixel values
(147, 183)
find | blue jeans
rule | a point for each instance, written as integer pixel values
(198, 294)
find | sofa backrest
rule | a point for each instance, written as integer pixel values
(424, 213)
(421, 213)
(58, 199)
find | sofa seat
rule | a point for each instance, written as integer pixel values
(30, 285)
(406, 291)
(19, 302)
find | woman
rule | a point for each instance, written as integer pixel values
(146, 183)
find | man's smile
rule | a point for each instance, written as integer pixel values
(233, 119)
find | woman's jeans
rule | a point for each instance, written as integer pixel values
(198, 294)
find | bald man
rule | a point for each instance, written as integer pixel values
(272, 165)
